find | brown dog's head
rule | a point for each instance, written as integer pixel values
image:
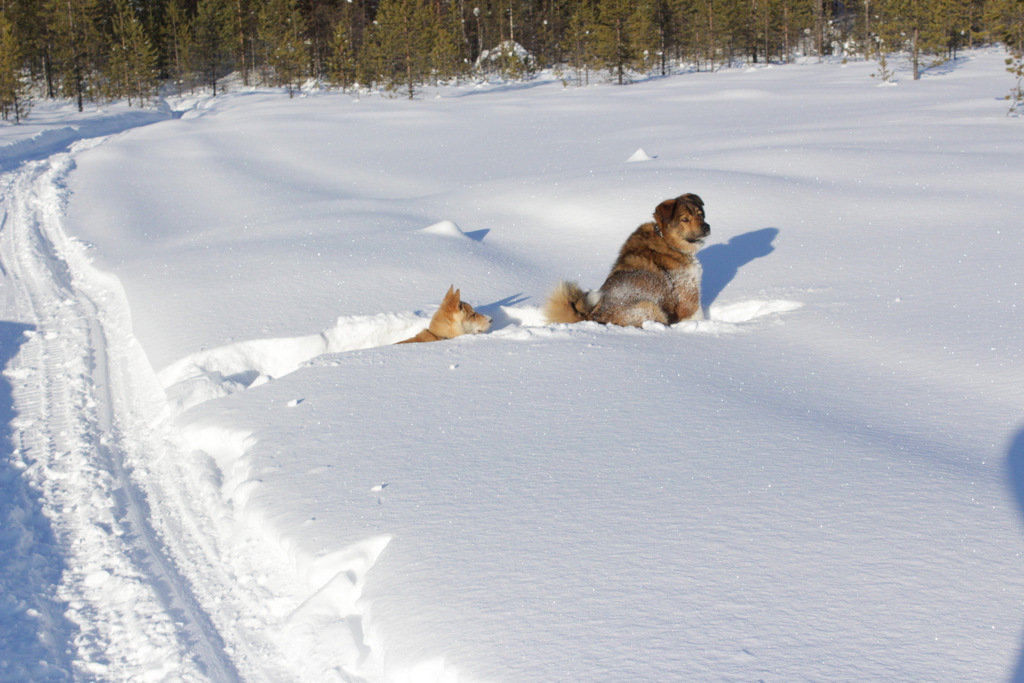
(681, 221)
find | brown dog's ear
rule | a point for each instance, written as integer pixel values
(692, 198)
(663, 214)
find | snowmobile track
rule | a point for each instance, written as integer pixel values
(118, 579)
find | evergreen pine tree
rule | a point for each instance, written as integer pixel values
(642, 36)
(580, 36)
(320, 17)
(282, 32)
(745, 29)
(797, 16)
(778, 26)
(709, 27)
(613, 44)
(1015, 65)
(916, 25)
(345, 49)
(74, 42)
(820, 13)
(684, 41)
(733, 20)
(402, 40)
(14, 100)
(177, 39)
(550, 25)
(1006, 19)
(447, 54)
(132, 62)
(210, 52)
(241, 33)
(28, 26)
(665, 27)
(886, 35)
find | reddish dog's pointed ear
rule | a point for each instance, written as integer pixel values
(451, 299)
(663, 214)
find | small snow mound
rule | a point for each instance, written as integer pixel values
(639, 155)
(505, 55)
(445, 229)
(743, 311)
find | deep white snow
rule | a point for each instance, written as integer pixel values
(215, 465)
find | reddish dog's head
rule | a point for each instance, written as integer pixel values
(681, 221)
(456, 317)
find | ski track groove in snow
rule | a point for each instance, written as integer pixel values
(130, 614)
(150, 528)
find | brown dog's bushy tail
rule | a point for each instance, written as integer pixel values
(569, 304)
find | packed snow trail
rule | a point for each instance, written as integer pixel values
(112, 606)
(128, 552)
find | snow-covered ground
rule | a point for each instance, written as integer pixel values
(217, 467)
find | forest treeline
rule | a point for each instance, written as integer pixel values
(126, 49)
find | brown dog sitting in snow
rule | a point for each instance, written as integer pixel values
(656, 277)
(455, 317)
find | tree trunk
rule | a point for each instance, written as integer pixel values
(244, 66)
(915, 52)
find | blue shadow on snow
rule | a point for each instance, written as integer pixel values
(499, 317)
(477, 235)
(1015, 472)
(721, 262)
(35, 637)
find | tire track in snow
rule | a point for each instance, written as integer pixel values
(133, 614)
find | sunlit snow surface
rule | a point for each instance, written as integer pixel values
(218, 467)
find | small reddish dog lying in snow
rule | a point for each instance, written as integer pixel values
(656, 277)
(455, 317)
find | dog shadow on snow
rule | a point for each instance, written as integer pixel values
(722, 262)
(1015, 475)
(498, 314)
